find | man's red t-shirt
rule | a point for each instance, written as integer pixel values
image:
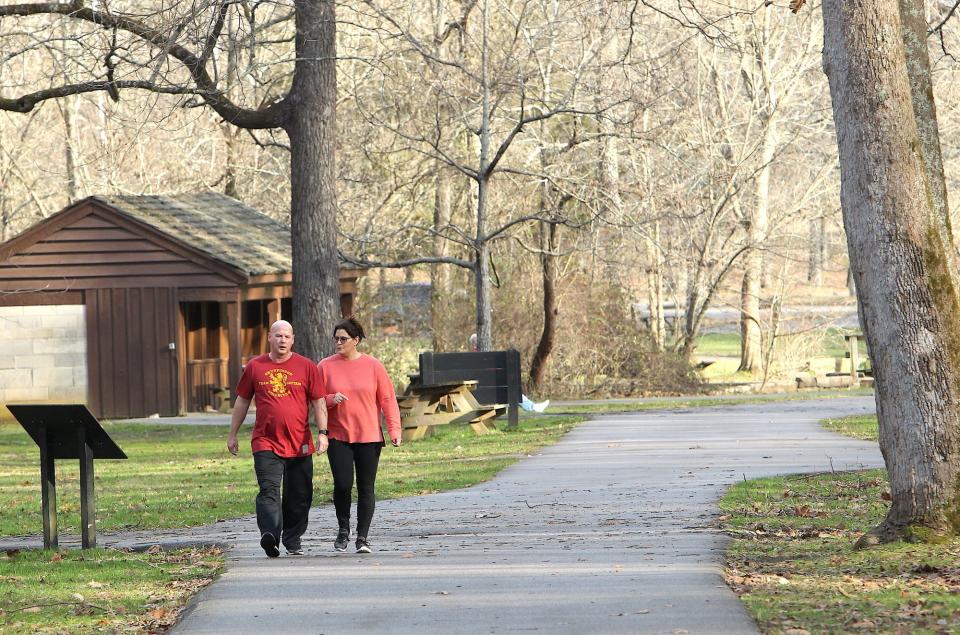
(283, 392)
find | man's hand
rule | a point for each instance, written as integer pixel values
(339, 398)
(322, 443)
(240, 408)
(396, 442)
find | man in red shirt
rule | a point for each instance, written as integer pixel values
(284, 384)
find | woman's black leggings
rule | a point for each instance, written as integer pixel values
(343, 458)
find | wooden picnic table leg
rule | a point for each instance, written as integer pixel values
(417, 433)
(483, 427)
(854, 360)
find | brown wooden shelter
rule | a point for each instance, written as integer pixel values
(178, 292)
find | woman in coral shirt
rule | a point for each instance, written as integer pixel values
(357, 390)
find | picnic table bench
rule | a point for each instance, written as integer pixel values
(424, 406)
(466, 388)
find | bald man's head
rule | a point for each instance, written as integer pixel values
(281, 324)
(280, 340)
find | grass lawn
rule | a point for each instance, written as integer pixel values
(793, 564)
(858, 427)
(100, 590)
(828, 342)
(708, 402)
(180, 476)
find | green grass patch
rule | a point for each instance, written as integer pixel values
(100, 590)
(719, 344)
(857, 426)
(792, 560)
(829, 342)
(639, 405)
(726, 370)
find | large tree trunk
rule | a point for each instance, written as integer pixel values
(311, 126)
(902, 254)
(548, 337)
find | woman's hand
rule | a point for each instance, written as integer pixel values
(396, 442)
(339, 398)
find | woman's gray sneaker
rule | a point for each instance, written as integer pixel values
(362, 545)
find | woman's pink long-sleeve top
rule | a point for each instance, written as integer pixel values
(365, 383)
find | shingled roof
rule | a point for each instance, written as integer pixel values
(220, 226)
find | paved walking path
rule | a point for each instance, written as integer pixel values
(612, 530)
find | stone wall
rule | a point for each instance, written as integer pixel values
(43, 355)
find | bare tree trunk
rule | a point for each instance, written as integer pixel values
(548, 266)
(548, 337)
(902, 253)
(440, 274)
(482, 249)
(68, 149)
(311, 127)
(655, 289)
(230, 133)
(751, 341)
(481, 273)
(817, 256)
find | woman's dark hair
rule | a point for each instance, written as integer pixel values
(351, 326)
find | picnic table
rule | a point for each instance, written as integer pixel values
(423, 406)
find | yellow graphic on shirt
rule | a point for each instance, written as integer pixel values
(278, 382)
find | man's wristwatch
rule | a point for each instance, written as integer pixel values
(324, 432)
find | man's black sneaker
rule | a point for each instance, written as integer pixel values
(297, 551)
(362, 545)
(269, 544)
(343, 537)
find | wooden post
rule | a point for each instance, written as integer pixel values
(48, 492)
(854, 360)
(514, 391)
(236, 352)
(88, 497)
(273, 312)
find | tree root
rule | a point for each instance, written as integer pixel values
(888, 531)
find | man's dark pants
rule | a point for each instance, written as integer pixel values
(286, 520)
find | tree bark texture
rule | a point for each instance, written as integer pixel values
(481, 273)
(901, 252)
(548, 336)
(751, 341)
(439, 273)
(481, 269)
(655, 264)
(817, 256)
(311, 127)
